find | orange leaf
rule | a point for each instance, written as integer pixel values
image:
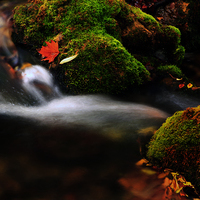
(166, 182)
(141, 162)
(195, 88)
(163, 175)
(58, 37)
(159, 18)
(50, 51)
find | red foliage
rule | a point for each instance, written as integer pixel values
(50, 51)
(181, 85)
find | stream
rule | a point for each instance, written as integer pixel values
(73, 147)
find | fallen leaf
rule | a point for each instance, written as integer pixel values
(50, 51)
(166, 182)
(181, 85)
(144, 7)
(189, 85)
(159, 18)
(58, 37)
(148, 171)
(68, 59)
(25, 65)
(163, 175)
(195, 88)
(184, 7)
(174, 185)
(141, 162)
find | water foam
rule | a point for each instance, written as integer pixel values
(38, 81)
(91, 111)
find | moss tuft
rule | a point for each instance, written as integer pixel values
(172, 69)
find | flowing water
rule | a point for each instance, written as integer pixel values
(74, 147)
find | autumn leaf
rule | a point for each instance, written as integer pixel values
(184, 6)
(181, 85)
(189, 85)
(159, 18)
(50, 51)
(58, 37)
(144, 6)
(195, 88)
(141, 162)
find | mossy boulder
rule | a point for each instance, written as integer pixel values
(105, 34)
(175, 145)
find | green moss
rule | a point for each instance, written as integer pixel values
(169, 38)
(142, 33)
(149, 20)
(179, 55)
(174, 33)
(103, 32)
(172, 69)
(176, 144)
(112, 28)
(107, 60)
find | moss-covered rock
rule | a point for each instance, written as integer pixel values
(104, 33)
(176, 144)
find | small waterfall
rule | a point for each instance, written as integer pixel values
(38, 81)
(34, 85)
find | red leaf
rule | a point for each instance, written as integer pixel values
(144, 7)
(50, 51)
(181, 85)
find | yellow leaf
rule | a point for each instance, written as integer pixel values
(148, 171)
(68, 59)
(179, 190)
(174, 185)
(189, 85)
(58, 37)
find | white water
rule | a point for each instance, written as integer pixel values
(92, 111)
(38, 74)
